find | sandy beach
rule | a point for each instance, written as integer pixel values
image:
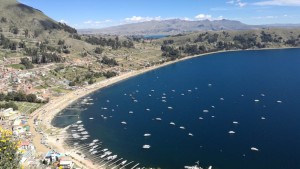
(47, 112)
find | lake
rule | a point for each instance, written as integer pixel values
(254, 95)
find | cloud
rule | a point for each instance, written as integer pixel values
(203, 17)
(238, 3)
(63, 21)
(208, 17)
(136, 19)
(265, 17)
(278, 3)
(92, 23)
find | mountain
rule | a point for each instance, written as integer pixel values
(173, 26)
(16, 14)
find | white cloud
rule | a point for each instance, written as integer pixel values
(63, 21)
(279, 3)
(238, 3)
(136, 19)
(208, 17)
(92, 23)
(265, 17)
(203, 17)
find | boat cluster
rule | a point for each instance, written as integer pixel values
(79, 138)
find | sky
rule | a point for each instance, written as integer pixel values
(104, 13)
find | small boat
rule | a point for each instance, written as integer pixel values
(148, 109)
(130, 112)
(181, 127)
(213, 107)
(78, 122)
(182, 94)
(164, 97)
(104, 149)
(189, 90)
(170, 108)
(279, 101)
(91, 118)
(124, 122)
(146, 146)
(263, 118)
(263, 95)
(147, 134)
(96, 140)
(256, 100)
(84, 132)
(91, 144)
(164, 101)
(254, 149)
(235, 122)
(172, 123)
(158, 119)
(190, 134)
(94, 152)
(149, 95)
(231, 132)
(123, 162)
(205, 111)
(152, 90)
(222, 98)
(209, 85)
(173, 90)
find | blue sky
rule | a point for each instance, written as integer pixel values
(104, 13)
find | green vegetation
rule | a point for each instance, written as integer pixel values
(26, 107)
(6, 105)
(20, 97)
(9, 157)
(109, 62)
(26, 63)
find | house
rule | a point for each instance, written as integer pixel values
(66, 164)
(7, 114)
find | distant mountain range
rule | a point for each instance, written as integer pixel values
(175, 26)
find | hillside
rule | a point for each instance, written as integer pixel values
(169, 27)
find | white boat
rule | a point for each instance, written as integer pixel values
(172, 123)
(91, 118)
(94, 152)
(152, 90)
(130, 112)
(95, 146)
(254, 149)
(170, 107)
(200, 118)
(146, 146)
(148, 109)
(263, 118)
(189, 90)
(158, 119)
(222, 98)
(181, 127)
(231, 132)
(149, 95)
(190, 134)
(256, 100)
(205, 111)
(164, 101)
(103, 155)
(124, 122)
(164, 97)
(104, 149)
(182, 94)
(235, 122)
(147, 134)
(78, 122)
(209, 84)
(96, 140)
(173, 90)
(123, 162)
(279, 101)
(84, 132)
(91, 144)
(263, 95)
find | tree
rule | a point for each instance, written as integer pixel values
(9, 158)
(27, 63)
(99, 50)
(31, 98)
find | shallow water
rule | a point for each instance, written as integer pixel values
(237, 79)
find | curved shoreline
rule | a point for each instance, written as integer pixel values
(48, 111)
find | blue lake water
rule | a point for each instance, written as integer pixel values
(237, 79)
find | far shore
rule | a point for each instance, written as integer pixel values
(47, 112)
